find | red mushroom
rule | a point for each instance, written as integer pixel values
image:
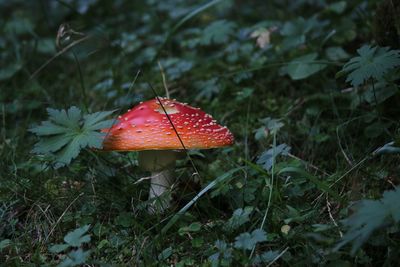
(151, 128)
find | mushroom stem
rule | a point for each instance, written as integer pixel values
(160, 182)
(160, 163)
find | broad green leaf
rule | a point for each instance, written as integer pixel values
(48, 128)
(337, 7)
(259, 235)
(239, 217)
(176, 67)
(217, 32)
(298, 31)
(336, 53)
(207, 89)
(69, 118)
(95, 121)
(266, 257)
(10, 70)
(224, 254)
(304, 66)
(19, 26)
(75, 258)
(247, 241)
(372, 62)
(244, 241)
(267, 157)
(193, 227)
(51, 144)
(67, 132)
(369, 216)
(124, 219)
(77, 237)
(165, 254)
(57, 248)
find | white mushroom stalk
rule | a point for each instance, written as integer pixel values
(160, 163)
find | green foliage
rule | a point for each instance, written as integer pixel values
(77, 237)
(165, 254)
(304, 66)
(239, 217)
(217, 32)
(248, 240)
(67, 132)
(266, 257)
(306, 147)
(74, 239)
(369, 216)
(297, 32)
(268, 157)
(224, 255)
(372, 62)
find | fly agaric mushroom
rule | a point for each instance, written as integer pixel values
(152, 127)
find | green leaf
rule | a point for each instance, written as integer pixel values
(95, 121)
(336, 53)
(267, 157)
(239, 217)
(48, 128)
(207, 89)
(4, 243)
(372, 62)
(67, 132)
(304, 66)
(337, 7)
(298, 31)
(77, 237)
(259, 235)
(75, 258)
(165, 254)
(69, 118)
(193, 227)
(247, 241)
(10, 70)
(217, 32)
(369, 216)
(224, 254)
(124, 219)
(266, 257)
(57, 248)
(51, 144)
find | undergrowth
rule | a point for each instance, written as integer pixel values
(310, 90)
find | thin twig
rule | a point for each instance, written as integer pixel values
(277, 257)
(164, 79)
(62, 215)
(65, 49)
(328, 206)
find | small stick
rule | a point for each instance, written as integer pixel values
(62, 215)
(328, 206)
(164, 79)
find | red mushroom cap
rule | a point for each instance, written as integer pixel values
(147, 127)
